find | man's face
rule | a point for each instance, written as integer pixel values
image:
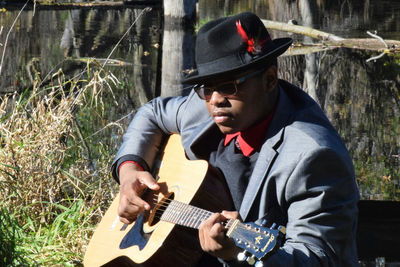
(254, 99)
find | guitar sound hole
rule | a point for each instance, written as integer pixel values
(159, 208)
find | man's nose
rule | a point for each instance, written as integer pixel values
(217, 99)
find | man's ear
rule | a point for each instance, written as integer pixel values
(271, 77)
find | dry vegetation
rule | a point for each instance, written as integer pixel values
(51, 194)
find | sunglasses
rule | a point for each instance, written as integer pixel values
(225, 89)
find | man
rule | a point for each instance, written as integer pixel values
(282, 159)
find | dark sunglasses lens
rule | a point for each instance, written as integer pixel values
(223, 89)
(226, 89)
(202, 92)
(207, 92)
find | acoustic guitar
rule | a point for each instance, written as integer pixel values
(190, 191)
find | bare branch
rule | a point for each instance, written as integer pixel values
(333, 41)
(147, 9)
(1, 30)
(8, 34)
(378, 37)
(374, 35)
(376, 57)
(313, 33)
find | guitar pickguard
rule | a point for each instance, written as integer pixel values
(136, 236)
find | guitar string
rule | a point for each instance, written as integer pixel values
(183, 214)
(200, 214)
(197, 219)
(167, 204)
(180, 208)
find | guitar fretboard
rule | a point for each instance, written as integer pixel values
(183, 214)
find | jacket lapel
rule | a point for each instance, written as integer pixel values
(268, 152)
(198, 145)
(261, 169)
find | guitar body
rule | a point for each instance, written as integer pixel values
(152, 242)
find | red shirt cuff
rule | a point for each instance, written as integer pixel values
(130, 161)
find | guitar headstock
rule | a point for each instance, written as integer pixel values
(256, 240)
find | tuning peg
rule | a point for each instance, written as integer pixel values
(264, 222)
(242, 256)
(259, 264)
(273, 226)
(251, 260)
(282, 229)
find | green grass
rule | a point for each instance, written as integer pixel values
(56, 243)
(54, 171)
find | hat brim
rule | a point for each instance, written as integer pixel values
(281, 44)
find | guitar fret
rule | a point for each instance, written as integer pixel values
(200, 218)
(187, 211)
(165, 215)
(190, 215)
(178, 212)
(169, 213)
(183, 214)
(194, 218)
(204, 215)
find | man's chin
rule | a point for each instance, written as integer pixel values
(226, 129)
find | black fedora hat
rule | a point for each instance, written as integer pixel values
(228, 46)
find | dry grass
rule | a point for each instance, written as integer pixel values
(33, 151)
(51, 195)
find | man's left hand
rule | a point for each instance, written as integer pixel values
(213, 239)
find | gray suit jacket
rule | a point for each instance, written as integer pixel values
(303, 178)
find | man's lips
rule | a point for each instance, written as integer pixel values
(221, 117)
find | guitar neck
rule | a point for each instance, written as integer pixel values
(254, 238)
(186, 215)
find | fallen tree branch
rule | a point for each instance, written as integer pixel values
(105, 61)
(49, 5)
(303, 30)
(331, 40)
(82, 4)
(301, 49)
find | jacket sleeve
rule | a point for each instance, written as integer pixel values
(148, 130)
(320, 197)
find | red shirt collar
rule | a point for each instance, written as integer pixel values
(251, 139)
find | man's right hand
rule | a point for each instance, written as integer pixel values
(133, 182)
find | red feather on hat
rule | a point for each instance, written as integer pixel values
(252, 46)
(243, 34)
